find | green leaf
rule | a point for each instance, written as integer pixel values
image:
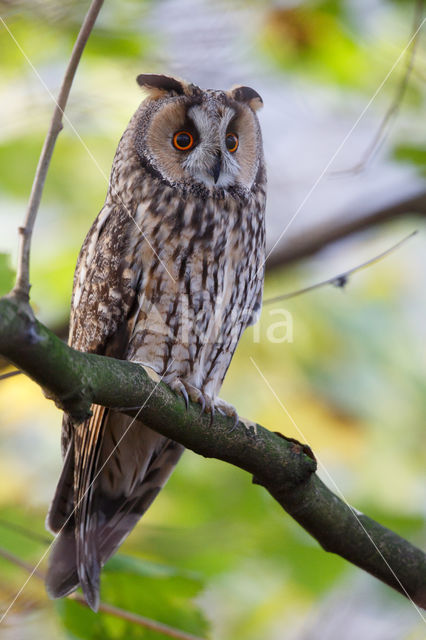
(104, 42)
(155, 591)
(414, 154)
(123, 563)
(22, 534)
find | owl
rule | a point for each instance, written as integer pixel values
(169, 276)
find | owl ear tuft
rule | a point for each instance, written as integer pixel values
(247, 95)
(158, 86)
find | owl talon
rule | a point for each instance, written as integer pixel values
(179, 388)
(208, 404)
(201, 400)
(226, 409)
(236, 421)
(191, 393)
(185, 397)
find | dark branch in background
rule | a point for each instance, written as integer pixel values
(310, 241)
(395, 105)
(22, 285)
(337, 281)
(141, 621)
(283, 466)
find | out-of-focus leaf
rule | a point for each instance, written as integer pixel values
(118, 45)
(22, 535)
(121, 563)
(413, 154)
(316, 41)
(162, 593)
(82, 623)
(70, 166)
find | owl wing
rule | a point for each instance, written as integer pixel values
(104, 291)
(107, 481)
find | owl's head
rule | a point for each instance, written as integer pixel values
(190, 136)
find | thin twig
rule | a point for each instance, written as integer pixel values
(10, 374)
(395, 105)
(20, 563)
(141, 621)
(32, 535)
(341, 279)
(22, 285)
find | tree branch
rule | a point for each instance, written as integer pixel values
(284, 467)
(309, 242)
(22, 285)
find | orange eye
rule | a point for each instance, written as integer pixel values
(231, 142)
(183, 140)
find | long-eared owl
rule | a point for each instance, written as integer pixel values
(169, 276)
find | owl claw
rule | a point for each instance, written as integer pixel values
(201, 400)
(190, 393)
(206, 402)
(226, 409)
(185, 397)
(179, 388)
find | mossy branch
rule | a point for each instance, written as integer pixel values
(75, 380)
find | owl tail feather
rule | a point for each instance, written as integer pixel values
(96, 505)
(62, 577)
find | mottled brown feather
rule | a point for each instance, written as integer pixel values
(169, 275)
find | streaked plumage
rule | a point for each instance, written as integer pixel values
(170, 275)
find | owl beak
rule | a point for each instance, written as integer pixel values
(215, 170)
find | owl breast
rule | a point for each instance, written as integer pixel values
(202, 287)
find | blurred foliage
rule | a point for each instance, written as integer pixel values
(316, 40)
(351, 373)
(332, 42)
(165, 592)
(6, 274)
(413, 154)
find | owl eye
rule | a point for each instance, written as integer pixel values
(231, 142)
(183, 140)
